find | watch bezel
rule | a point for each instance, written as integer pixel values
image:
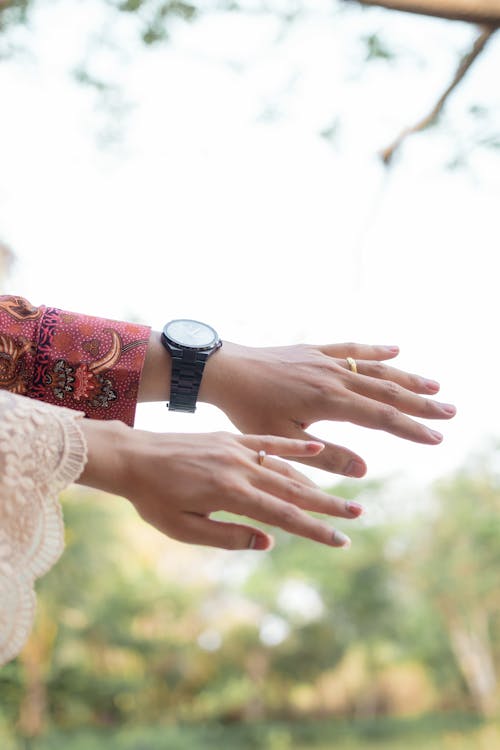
(181, 344)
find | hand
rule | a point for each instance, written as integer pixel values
(283, 390)
(176, 481)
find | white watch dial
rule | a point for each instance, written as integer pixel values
(191, 333)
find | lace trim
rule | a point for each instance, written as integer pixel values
(42, 450)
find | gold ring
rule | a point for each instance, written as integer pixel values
(261, 456)
(351, 364)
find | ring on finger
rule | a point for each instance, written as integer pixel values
(351, 364)
(261, 456)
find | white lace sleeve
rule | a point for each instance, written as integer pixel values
(42, 451)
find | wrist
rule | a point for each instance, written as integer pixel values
(217, 375)
(106, 450)
(156, 372)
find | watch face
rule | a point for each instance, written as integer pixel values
(191, 333)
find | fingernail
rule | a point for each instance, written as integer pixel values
(432, 385)
(355, 469)
(393, 349)
(436, 435)
(314, 446)
(354, 508)
(448, 408)
(339, 539)
(257, 541)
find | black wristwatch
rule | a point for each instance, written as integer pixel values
(190, 343)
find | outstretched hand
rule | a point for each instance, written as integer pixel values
(283, 390)
(176, 481)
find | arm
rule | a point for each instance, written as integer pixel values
(83, 362)
(283, 390)
(103, 367)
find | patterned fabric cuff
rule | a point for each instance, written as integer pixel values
(68, 359)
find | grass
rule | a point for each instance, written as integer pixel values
(444, 732)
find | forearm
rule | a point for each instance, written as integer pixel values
(155, 379)
(107, 443)
(80, 361)
(87, 363)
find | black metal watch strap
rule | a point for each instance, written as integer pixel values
(187, 372)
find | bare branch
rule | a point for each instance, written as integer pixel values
(466, 62)
(480, 12)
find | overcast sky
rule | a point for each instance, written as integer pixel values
(224, 203)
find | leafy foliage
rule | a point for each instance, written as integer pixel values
(119, 639)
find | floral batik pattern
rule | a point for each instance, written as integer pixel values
(79, 361)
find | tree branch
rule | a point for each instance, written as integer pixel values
(466, 62)
(481, 12)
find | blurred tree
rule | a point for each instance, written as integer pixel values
(305, 631)
(458, 566)
(153, 20)
(335, 604)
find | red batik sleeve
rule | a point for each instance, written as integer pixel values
(73, 360)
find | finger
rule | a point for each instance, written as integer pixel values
(307, 498)
(360, 351)
(336, 459)
(366, 412)
(262, 506)
(198, 529)
(286, 470)
(282, 446)
(410, 381)
(389, 392)
(329, 457)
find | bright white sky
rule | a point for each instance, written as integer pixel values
(212, 209)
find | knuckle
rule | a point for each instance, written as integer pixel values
(320, 533)
(290, 516)
(322, 389)
(286, 470)
(322, 374)
(225, 438)
(351, 346)
(228, 446)
(379, 370)
(415, 383)
(231, 455)
(230, 486)
(226, 455)
(270, 442)
(388, 416)
(335, 461)
(295, 488)
(259, 500)
(392, 391)
(429, 407)
(307, 350)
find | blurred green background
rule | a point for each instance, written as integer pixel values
(142, 642)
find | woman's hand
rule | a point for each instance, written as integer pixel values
(283, 390)
(176, 481)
